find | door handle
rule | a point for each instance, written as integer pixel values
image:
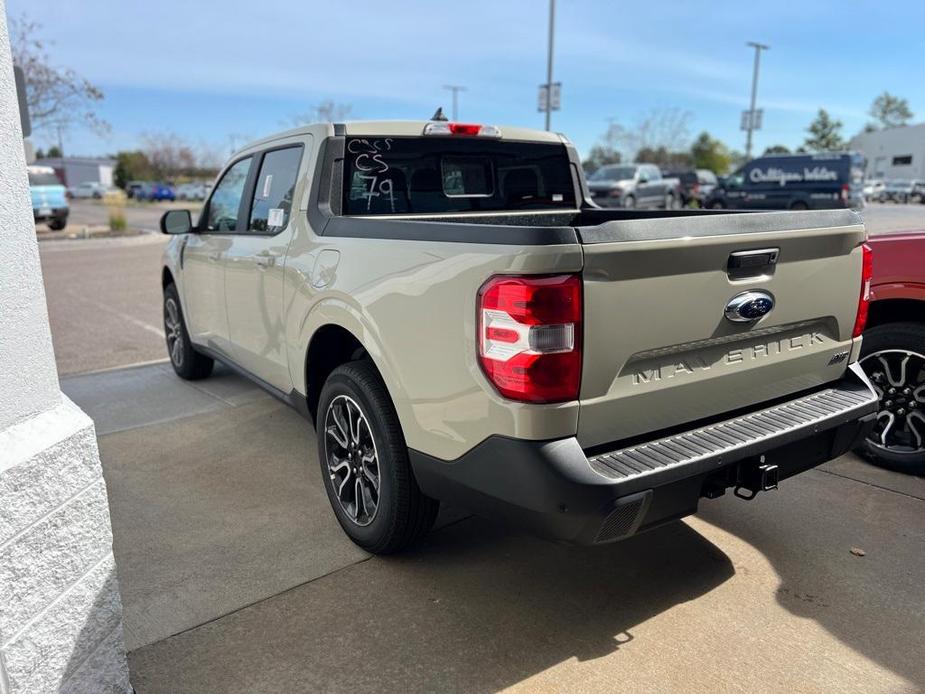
(265, 259)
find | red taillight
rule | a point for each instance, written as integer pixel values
(529, 337)
(845, 190)
(867, 272)
(464, 128)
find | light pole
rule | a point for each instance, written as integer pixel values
(455, 88)
(751, 113)
(552, 25)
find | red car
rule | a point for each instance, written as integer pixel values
(893, 353)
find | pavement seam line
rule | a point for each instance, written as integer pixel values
(283, 592)
(256, 602)
(871, 484)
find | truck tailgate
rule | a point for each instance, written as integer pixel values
(658, 348)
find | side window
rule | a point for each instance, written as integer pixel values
(655, 173)
(226, 198)
(274, 190)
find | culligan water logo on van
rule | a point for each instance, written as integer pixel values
(776, 175)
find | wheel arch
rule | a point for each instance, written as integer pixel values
(896, 310)
(333, 335)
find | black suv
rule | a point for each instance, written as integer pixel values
(793, 182)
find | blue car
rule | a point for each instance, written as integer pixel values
(49, 203)
(155, 191)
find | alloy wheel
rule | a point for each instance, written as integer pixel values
(898, 376)
(174, 332)
(352, 460)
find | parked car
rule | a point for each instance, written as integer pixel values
(154, 192)
(589, 373)
(899, 190)
(49, 203)
(893, 352)
(88, 189)
(873, 189)
(794, 182)
(695, 185)
(192, 191)
(132, 188)
(634, 185)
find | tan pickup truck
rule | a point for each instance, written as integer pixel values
(462, 323)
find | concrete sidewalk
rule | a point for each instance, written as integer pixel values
(236, 577)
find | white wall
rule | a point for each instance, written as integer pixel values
(882, 146)
(60, 611)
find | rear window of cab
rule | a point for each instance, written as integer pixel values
(409, 175)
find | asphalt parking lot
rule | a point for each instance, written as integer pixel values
(236, 577)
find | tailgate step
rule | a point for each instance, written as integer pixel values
(708, 447)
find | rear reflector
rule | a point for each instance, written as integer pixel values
(867, 272)
(470, 129)
(530, 336)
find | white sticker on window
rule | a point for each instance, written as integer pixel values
(266, 185)
(557, 197)
(275, 217)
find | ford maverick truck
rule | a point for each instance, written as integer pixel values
(462, 323)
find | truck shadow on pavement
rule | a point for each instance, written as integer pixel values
(871, 603)
(475, 609)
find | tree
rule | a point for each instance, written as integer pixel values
(54, 152)
(39, 153)
(824, 133)
(709, 153)
(659, 129)
(131, 166)
(777, 149)
(890, 111)
(57, 97)
(327, 111)
(600, 155)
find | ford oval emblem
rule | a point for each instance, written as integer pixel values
(749, 306)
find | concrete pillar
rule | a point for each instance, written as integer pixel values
(60, 611)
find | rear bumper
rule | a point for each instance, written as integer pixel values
(54, 213)
(560, 491)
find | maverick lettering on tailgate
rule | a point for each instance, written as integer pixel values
(681, 364)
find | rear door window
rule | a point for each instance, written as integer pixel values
(406, 175)
(274, 190)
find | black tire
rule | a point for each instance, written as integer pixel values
(189, 364)
(670, 202)
(799, 206)
(716, 205)
(629, 202)
(402, 513)
(892, 341)
(57, 224)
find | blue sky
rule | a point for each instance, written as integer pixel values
(213, 71)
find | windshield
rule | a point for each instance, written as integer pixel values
(406, 175)
(613, 173)
(43, 179)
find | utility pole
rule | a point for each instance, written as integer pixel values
(751, 113)
(455, 88)
(552, 24)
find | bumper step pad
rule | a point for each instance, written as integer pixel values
(714, 445)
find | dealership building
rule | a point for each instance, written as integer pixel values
(893, 153)
(72, 171)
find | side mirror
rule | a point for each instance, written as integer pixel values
(643, 178)
(176, 222)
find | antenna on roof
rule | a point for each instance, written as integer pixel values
(439, 115)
